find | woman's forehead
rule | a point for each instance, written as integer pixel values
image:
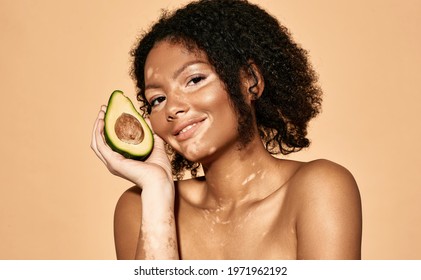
(168, 55)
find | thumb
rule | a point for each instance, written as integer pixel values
(159, 153)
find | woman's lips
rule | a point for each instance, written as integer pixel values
(188, 130)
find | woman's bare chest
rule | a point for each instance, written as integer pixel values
(260, 231)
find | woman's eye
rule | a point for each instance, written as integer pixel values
(154, 102)
(195, 80)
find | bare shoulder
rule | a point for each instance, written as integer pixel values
(128, 203)
(328, 211)
(318, 176)
(324, 182)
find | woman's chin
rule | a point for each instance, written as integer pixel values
(198, 153)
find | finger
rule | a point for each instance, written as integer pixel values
(159, 154)
(98, 127)
(107, 154)
(98, 141)
(101, 115)
(93, 144)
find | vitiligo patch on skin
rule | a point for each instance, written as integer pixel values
(248, 179)
(149, 73)
(153, 234)
(193, 148)
(212, 150)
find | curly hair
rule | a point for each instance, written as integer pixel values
(232, 33)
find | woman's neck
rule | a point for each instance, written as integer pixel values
(240, 175)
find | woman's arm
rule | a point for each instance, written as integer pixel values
(147, 224)
(329, 219)
(134, 237)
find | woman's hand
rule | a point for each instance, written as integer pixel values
(156, 238)
(156, 169)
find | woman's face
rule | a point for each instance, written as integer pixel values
(190, 108)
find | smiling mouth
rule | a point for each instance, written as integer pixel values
(187, 128)
(188, 131)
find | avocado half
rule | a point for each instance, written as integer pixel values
(126, 132)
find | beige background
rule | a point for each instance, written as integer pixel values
(60, 60)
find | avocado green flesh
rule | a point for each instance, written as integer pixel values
(126, 132)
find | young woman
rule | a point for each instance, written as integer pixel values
(225, 87)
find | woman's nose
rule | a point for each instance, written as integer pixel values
(176, 106)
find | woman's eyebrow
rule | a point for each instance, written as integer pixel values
(152, 86)
(185, 65)
(177, 73)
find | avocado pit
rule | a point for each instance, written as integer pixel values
(128, 129)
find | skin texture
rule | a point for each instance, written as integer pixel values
(249, 204)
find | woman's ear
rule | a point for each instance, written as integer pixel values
(253, 82)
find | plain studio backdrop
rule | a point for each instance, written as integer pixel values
(60, 60)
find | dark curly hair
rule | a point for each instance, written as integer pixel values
(234, 33)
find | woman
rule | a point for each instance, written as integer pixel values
(225, 87)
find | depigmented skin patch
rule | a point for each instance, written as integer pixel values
(128, 129)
